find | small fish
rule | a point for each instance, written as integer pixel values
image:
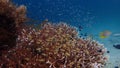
(105, 34)
(81, 34)
(85, 34)
(117, 46)
(108, 51)
(80, 27)
(116, 67)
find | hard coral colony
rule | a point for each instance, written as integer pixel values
(52, 46)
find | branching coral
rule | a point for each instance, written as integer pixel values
(53, 46)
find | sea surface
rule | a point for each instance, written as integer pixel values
(91, 17)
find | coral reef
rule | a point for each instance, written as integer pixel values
(50, 46)
(53, 46)
(11, 17)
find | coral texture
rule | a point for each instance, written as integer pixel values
(11, 17)
(53, 46)
(49, 46)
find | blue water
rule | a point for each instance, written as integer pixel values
(84, 12)
(94, 16)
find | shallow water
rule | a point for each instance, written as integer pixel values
(94, 17)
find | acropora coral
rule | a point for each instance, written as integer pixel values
(50, 46)
(53, 46)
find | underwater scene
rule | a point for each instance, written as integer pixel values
(59, 33)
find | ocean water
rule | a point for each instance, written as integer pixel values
(94, 16)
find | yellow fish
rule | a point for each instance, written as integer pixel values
(104, 34)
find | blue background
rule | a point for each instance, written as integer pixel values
(94, 16)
